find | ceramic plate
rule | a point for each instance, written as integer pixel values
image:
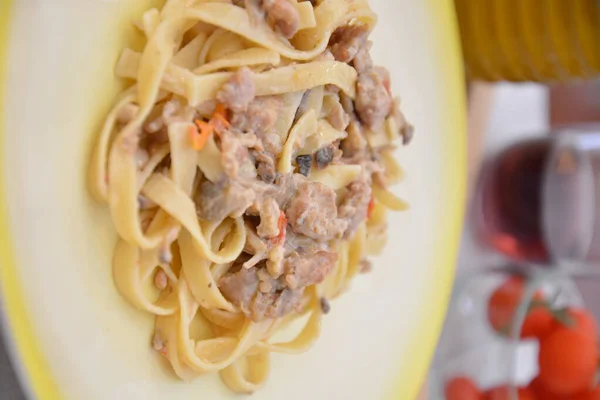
(72, 335)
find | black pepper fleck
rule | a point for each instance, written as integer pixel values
(407, 133)
(324, 157)
(304, 164)
(325, 306)
(210, 285)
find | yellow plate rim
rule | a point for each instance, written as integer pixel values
(36, 375)
(27, 356)
(414, 368)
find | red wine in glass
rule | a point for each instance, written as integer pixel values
(538, 200)
(508, 208)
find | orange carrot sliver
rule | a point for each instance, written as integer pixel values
(220, 114)
(199, 138)
(220, 109)
(222, 119)
(282, 225)
(371, 207)
(206, 129)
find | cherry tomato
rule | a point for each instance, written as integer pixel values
(540, 392)
(505, 393)
(583, 321)
(593, 395)
(538, 323)
(526, 394)
(503, 303)
(462, 388)
(567, 361)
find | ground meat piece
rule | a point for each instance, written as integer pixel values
(265, 166)
(235, 156)
(365, 266)
(313, 212)
(286, 188)
(170, 109)
(216, 201)
(160, 279)
(154, 141)
(271, 141)
(286, 302)
(254, 246)
(355, 206)
(283, 16)
(240, 287)
(406, 130)
(363, 62)
(176, 110)
(303, 270)
(300, 243)
(386, 79)
(347, 40)
(275, 305)
(355, 143)
(206, 109)
(262, 302)
(269, 218)
(239, 90)
(304, 164)
(154, 125)
(338, 117)
(282, 191)
(324, 156)
(268, 283)
(266, 172)
(259, 117)
(373, 101)
(250, 140)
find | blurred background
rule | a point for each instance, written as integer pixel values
(532, 69)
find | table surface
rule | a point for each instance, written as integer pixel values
(9, 388)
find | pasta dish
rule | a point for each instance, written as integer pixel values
(246, 170)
